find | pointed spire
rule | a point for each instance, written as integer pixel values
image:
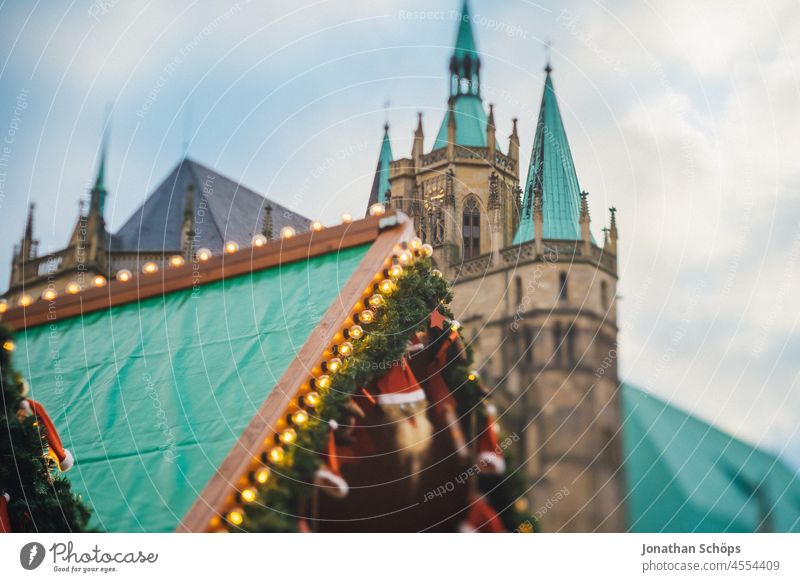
(585, 221)
(266, 224)
(380, 183)
(491, 132)
(465, 63)
(552, 171)
(100, 181)
(513, 143)
(28, 246)
(419, 137)
(611, 240)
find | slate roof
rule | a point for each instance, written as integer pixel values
(224, 210)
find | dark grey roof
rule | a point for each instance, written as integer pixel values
(224, 210)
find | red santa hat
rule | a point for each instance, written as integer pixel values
(5, 522)
(63, 457)
(490, 454)
(328, 477)
(481, 518)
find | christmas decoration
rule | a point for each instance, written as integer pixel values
(34, 496)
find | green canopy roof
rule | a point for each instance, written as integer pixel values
(553, 171)
(684, 475)
(151, 396)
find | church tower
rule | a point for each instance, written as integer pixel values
(531, 285)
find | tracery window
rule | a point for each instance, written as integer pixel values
(471, 228)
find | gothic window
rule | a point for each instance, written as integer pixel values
(604, 295)
(518, 289)
(558, 341)
(471, 229)
(528, 359)
(571, 359)
(562, 286)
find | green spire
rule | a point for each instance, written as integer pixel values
(552, 172)
(98, 198)
(380, 183)
(465, 63)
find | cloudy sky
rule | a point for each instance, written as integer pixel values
(683, 117)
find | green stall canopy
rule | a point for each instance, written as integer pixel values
(150, 396)
(684, 475)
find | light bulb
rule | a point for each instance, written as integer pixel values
(335, 364)
(472, 376)
(287, 232)
(386, 286)
(436, 273)
(49, 294)
(312, 399)
(73, 288)
(124, 275)
(231, 247)
(405, 258)
(346, 349)
(415, 244)
(9, 346)
(176, 261)
(259, 240)
(324, 381)
(261, 475)
(203, 254)
(149, 268)
(377, 209)
(288, 436)
(426, 250)
(366, 316)
(99, 281)
(316, 226)
(395, 271)
(346, 218)
(25, 300)
(454, 325)
(276, 455)
(248, 495)
(3, 305)
(356, 331)
(376, 300)
(300, 418)
(235, 517)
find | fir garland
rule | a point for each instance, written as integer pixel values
(41, 499)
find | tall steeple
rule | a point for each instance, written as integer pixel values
(465, 64)
(99, 193)
(552, 172)
(380, 183)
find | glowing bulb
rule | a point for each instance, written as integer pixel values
(49, 294)
(176, 261)
(3, 305)
(259, 240)
(366, 316)
(248, 495)
(376, 300)
(262, 475)
(287, 232)
(405, 258)
(335, 364)
(9, 346)
(377, 210)
(149, 268)
(454, 325)
(346, 348)
(356, 332)
(395, 271)
(472, 376)
(73, 288)
(25, 300)
(346, 218)
(288, 436)
(231, 247)
(436, 273)
(386, 286)
(415, 244)
(324, 381)
(124, 275)
(203, 254)
(276, 455)
(426, 250)
(99, 281)
(300, 418)
(235, 517)
(316, 226)
(312, 399)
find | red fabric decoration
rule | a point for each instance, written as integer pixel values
(481, 518)
(437, 319)
(490, 454)
(63, 456)
(5, 522)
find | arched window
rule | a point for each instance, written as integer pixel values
(558, 341)
(472, 229)
(604, 294)
(571, 355)
(562, 286)
(518, 289)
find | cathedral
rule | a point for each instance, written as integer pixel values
(532, 286)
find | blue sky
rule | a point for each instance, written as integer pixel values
(683, 116)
